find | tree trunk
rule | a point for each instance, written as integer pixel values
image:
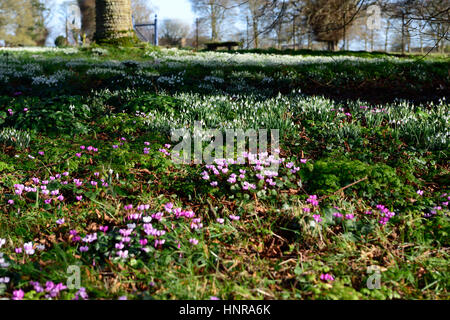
(332, 45)
(371, 40)
(403, 34)
(213, 18)
(87, 10)
(344, 38)
(255, 32)
(113, 19)
(421, 43)
(386, 39)
(309, 40)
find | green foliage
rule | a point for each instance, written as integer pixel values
(268, 243)
(64, 114)
(61, 41)
(329, 175)
(15, 138)
(126, 42)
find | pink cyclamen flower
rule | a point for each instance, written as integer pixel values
(317, 217)
(193, 241)
(313, 200)
(28, 248)
(168, 206)
(420, 192)
(326, 277)
(81, 293)
(18, 294)
(122, 254)
(337, 215)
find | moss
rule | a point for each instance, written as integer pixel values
(130, 41)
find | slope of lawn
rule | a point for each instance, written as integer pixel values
(87, 181)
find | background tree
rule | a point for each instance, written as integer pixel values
(172, 31)
(22, 22)
(113, 20)
(214, 12)
(143, 12)
(70, 18)
(329, 19)
(257, 9)
(87, 10)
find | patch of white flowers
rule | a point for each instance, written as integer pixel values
(54, 79)
(175, 58)
(14, 137)
(39, 49)
(172, 80)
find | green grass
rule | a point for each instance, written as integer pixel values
(360, 154)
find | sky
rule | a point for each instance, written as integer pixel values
(175, 9)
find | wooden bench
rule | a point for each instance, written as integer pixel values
(215, 45)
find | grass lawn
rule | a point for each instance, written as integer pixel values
(93, 205)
